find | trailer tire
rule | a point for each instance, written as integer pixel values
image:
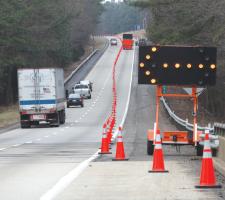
(25, 125)
(199, 150)
(62, 117)
(214, 152)
(150, 147)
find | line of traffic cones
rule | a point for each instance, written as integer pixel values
(158, 159)
(207, 178)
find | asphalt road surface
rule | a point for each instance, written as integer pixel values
(54, 163)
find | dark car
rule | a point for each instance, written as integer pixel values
(75, 100)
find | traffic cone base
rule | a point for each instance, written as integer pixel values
(122, 159)
(208, 186)
(158, 171)
(104, 152)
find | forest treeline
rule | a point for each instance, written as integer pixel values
(191, 22)
(42, 33)
(118, 18)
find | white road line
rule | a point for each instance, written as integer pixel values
(16, 145)
(2, 149)
(28, 142)
(67, 127)
(67, 179)
(46, 136)
(76, 121)
(39, 139)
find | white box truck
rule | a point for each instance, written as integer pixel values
(41, 96)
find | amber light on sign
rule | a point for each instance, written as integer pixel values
(142, 64)
(148, 57)
(153, 81)
(200, 66)
(212, 66)
(147, 73)
(165, 65)
(154, 49)
(177, 65)
(189, 66)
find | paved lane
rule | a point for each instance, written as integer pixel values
(33, 160)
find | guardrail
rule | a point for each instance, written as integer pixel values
(77, 68)
(182, 122)
(219, 129)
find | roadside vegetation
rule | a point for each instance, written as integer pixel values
(42, 33)
(191, 22)
(118, 18)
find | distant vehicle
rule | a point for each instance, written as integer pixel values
(75, 100)
(142, 42)
(83, 90)
(113, 42)
(128, 41)
(41, 96)
(87, 82)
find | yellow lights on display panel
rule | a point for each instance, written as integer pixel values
(172, 65)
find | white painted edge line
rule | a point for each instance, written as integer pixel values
(128, 101)
(67, 179)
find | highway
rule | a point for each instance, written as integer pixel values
(54, 163)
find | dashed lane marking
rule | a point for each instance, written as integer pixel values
(16, 145)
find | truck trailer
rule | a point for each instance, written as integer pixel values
(41, 96)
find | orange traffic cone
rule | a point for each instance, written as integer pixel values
(158, 160)
(105, 144)
(207, 179)
(120, 155)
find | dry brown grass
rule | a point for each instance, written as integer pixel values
(8, 115)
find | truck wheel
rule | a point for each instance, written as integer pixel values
(199, 150)
(24, 124)
(150, 147)
(214, 152)
(57, 120)
(89, 97)
(82, 105)
(62, 117)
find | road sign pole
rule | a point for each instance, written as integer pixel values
(158, 95)
(195, 101)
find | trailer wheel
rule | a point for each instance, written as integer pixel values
(62, 117)
(214, 152)
(25, 124)
(150, 147)
(199, 150)
(56, 123)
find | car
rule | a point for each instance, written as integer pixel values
(75, 100)
(113, 41)
(87, 82)
(83, 90)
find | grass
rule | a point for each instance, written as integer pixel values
(8, 115)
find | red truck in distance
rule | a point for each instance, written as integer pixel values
(128, 41)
